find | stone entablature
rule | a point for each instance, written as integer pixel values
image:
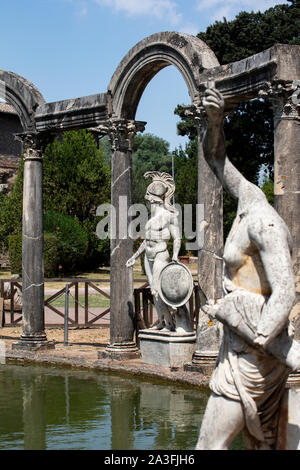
(78, 113)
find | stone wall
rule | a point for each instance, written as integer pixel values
(10, 155)
(10, 149)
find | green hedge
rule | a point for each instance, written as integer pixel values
(15, 253)
(51, 260)
(72, 240)
(50, 254)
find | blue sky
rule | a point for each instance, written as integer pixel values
(71, 48)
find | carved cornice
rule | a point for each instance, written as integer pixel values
(285, 98)
(121, 132)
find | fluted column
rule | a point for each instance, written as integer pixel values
(33, 326)
(122, 324)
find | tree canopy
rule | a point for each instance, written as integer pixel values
(76, 175)
(76, 179)
(150, 153)
(249, 130)
(250, 33)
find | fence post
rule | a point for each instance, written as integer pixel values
(76, 303)
(12, 306)
(86, 303)
(3, 311)
(66, 315)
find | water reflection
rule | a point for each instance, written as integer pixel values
(46, 408)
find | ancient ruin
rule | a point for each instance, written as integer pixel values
(273, 74)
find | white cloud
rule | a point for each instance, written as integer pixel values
(189, 28)
(230, 8)
(82, 9)
(160, 9)
(80, 6)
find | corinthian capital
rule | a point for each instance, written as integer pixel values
(121, 132)
(284, 96)
(32, 147)
(196, 111)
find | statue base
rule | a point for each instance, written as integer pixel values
(167, 348)
(120, 352)
(203, 362)
(32, 343)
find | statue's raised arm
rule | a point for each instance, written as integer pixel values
(214, 144)
(257, 351)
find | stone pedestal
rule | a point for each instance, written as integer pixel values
(203, 362)
(208, 341)
(166, 348)
(120, 352)
(289, 417)
(33, 343)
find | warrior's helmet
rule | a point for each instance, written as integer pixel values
(161, 189)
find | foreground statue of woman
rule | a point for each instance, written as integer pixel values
(161, 226)
(248, 381)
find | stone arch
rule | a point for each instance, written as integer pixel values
(22, 95)
(187, 53)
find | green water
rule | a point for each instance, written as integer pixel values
(49, 408)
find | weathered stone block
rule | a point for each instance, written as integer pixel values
(166, 348)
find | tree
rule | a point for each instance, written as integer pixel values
(76, 180)
(76, 176)
(249, 131)
(11, 206)
(149, 153)
(250, 33)
(186, 171)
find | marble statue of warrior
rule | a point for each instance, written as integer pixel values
(161, 226)
(247, 383)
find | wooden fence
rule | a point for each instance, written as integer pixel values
(143, 303)
(144, 312)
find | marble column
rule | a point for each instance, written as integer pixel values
(210, 261)
(34, 413)
(122, 322)
(33, 328)
(285, 98)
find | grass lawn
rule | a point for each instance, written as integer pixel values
(95, 301)
(102, 275)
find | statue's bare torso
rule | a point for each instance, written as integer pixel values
(243, 265)
(157, 233)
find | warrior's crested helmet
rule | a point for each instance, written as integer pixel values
(162, 187)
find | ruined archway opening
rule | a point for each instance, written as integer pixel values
(10, 148)
(170, 152)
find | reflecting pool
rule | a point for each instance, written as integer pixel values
(53, 408)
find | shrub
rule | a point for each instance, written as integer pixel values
(51, 261)
(72, 241)
(15, 253)
(50, 254)
(98, 251)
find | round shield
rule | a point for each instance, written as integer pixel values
(175, 284)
